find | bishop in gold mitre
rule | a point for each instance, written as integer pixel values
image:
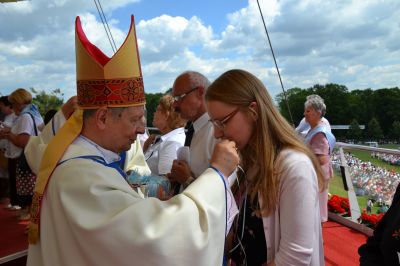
(84, 212)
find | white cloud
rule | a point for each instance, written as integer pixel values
(25, 7)
(163, 37)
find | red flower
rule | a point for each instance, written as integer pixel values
(370, 220)
(339, 205)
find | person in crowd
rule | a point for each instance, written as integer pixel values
(369, 206)
(162, 150)
(29, 123)
(321, 142)
(376, 182)
(10, 152)
(383, 247)
(82, 197)
(188, 91)
(277, 191)
(6, 109)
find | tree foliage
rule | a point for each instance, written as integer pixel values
(374, 130)
(354, 132)
(46, 101)
(152, 100)
(395, 131)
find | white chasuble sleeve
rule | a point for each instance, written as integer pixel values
(38, 144)
(91, 216)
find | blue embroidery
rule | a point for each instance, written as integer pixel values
(116, 165)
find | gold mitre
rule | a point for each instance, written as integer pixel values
(103, 81)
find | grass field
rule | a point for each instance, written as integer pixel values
(336, 183)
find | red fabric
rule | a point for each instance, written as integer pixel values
(95, 52)
(12, 233)
(341, 244)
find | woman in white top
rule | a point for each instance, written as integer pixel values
(277, 191)
(29, 122)
(161, 151)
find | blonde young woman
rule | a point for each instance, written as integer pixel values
(277, 191)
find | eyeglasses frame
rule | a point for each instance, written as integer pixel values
(179, 98)
(221, 123)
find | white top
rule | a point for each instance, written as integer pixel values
(293, 232)
(304, 127)
(103, 221)
(23, 125)
(10, 119)
(143, 137)
(202, 145)
(159, 156)
(10, 150)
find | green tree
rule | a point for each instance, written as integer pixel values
(46, 101)
(395, 130)
(374, 131)
(296, 98)
(386, 107)
(354, 132)
(152, 100)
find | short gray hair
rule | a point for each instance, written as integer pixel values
(316, 102)
(197, 79)
(115, 111)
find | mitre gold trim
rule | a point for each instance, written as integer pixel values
(104, 81)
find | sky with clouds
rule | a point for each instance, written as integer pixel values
(355, 43)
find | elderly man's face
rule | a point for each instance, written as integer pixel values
(125, 127)
(189, 100)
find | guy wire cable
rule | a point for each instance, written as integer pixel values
(276, 65)
(104, 22)
(105, 19)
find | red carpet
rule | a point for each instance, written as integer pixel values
(12, 235)
(341, 244)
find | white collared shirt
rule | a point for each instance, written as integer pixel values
(202, 145)
(160, 155)
(10, 150)
(107, 155)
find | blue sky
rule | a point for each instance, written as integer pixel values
(353, 43)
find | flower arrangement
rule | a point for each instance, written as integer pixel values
(370, 220)
(339, 205)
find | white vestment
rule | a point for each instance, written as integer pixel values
(91, 216)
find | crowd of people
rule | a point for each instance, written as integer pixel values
(392, 159)
(378, 183)
(245, 187)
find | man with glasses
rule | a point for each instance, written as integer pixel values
(188, 91)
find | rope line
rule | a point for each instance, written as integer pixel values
(276, 64)
(105, 25)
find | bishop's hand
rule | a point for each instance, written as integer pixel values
(225, 157)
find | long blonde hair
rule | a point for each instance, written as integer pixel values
(271, 135)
